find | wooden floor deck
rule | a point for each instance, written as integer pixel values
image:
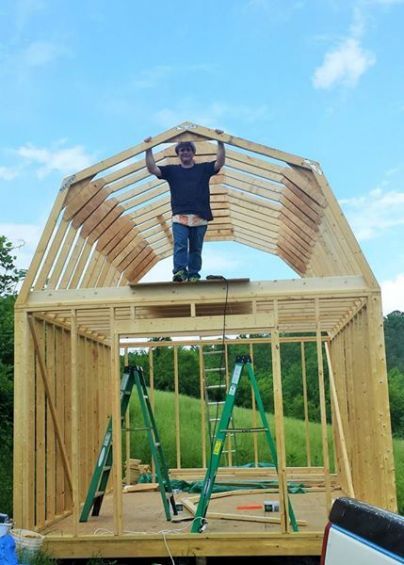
(148, 534)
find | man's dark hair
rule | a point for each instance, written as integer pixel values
(185, 144)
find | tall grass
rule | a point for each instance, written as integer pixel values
(191, 438)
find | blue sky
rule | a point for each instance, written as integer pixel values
(82, 80)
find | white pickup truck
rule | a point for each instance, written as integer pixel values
(360, 534)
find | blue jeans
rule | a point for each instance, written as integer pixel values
(188, 243)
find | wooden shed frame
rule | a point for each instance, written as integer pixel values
(80, 302)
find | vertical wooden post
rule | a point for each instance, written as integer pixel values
(279, 423)
(75, 421)
(152, 399)
(305, 403)
(323, 411)
(116, 429)
(231, 439)
(383, 439)
(127, 430)
(24, 374)
(254, 413)
(177, 409)
(202, 404)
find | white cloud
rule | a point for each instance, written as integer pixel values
(343, 65)
(393, 294)
(66, 160)
(40, 53)
(7, 173)
(372, 214)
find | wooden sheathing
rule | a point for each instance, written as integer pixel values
(363, 399)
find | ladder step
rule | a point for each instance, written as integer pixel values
(214, 419)
(244, 430)
(215, 369)
(213, 403)
(216, 386)
(229, 451)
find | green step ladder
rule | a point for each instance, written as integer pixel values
(199, 522)
(96, 491)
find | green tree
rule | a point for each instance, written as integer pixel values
(394, 336)
(9, 278)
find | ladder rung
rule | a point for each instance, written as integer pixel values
(99, 493)
(214, 419)
(229, 451)
(213, 352)
(244, 430)
(215, 369)
(216, 386)
(216, 403)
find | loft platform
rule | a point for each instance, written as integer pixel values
(83, 306)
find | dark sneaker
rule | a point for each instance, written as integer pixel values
(180, 276)
(193, 278)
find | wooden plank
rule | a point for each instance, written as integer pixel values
(60, 262)
(97, 216)
(50, 256)
(323, 413)
(72, 263)
(40, 432)
(305, 404)
(177, 409)
(75, 420)
(78, 271)
(116, 432)
(86, 201)
(279, 424)
(334, 397)
(47, 365)
(60, 407)
(251, 146)
(41, 248)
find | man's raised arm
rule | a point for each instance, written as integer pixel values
(150, 162)
(220, 155)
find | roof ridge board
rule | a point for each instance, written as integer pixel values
(252, 146)
(126, 154)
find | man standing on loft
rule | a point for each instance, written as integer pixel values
(190, 204)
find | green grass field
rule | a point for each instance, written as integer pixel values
(190, 438)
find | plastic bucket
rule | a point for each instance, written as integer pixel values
(27, 543)
(5, 527)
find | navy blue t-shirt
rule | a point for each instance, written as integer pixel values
(189, 188)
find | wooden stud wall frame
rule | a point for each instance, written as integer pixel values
(81, 304)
